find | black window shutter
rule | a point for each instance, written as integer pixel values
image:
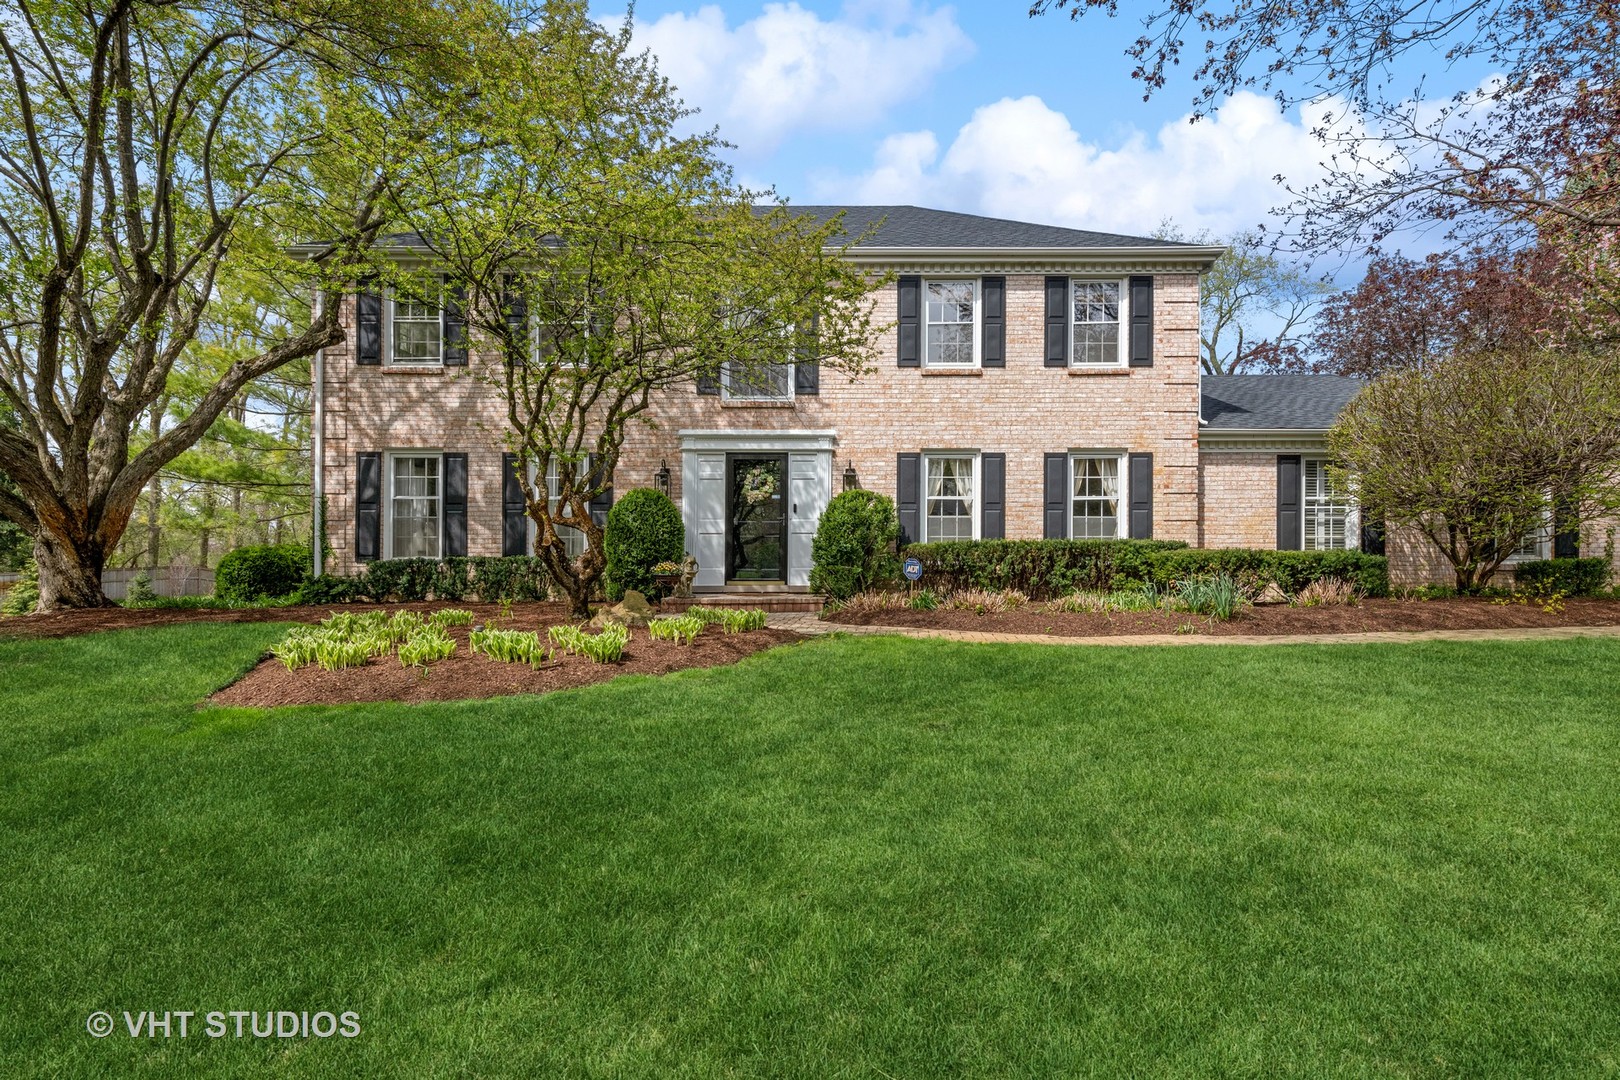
(368, 323)
(455, 505)
(1288, 498)
(910, 317)
(1057, 497)
(1372, 533)
(1057, 322)
(1567, 538)
(514, 509)
(993, 295)
(367, 506)
(907, 490)
(453, 322)
(515, 304)
(993, 502)
(807, 365)
(708, 382)
(1142, 321)
(600, 504)
(1141, 493)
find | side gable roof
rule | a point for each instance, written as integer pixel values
(1274, 402)
(920, 227)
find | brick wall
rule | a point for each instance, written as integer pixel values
(1024, 410)
(1238, 493)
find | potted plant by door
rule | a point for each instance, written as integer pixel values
(666, 575)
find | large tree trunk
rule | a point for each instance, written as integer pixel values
(69, 574)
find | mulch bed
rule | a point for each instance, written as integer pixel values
(469, 675)
(1369, 615)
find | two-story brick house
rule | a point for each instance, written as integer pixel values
(1035, 381)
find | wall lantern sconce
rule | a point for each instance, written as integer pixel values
(851, 481)
(661, 478)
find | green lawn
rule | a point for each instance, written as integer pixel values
(848, 858)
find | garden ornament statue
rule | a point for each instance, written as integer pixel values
(689, 569)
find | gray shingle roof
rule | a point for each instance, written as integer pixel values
(920, 227)
(1275, 402)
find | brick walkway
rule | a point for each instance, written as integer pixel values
(807, 624)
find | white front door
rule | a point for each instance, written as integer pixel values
(706, 502)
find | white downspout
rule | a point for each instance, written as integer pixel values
(318, 374)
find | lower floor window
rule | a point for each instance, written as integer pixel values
(1094, 500)
(950, 490)
(573, 539)
(1328, 510)
(413, 507)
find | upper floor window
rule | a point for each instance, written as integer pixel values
(1096, 322)
(950, 323)
(1094, 497)
(415, 332)
(1329, 511)
(951, 486)
(770, 382)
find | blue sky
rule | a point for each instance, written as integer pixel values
(975, 107)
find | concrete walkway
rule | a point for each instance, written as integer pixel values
(809, 625)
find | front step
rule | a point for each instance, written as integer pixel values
(763, 601)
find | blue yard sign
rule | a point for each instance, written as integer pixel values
(912, 568)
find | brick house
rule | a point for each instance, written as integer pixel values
(1037, 381)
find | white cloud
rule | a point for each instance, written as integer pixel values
(1022, 159)
(788, 70)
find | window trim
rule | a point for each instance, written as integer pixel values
(976, 506)
(1544, 543)
(389, 360)
(1122, 327)
(1122, 511)
(1352, 513)
(978, 322)
(389, 457)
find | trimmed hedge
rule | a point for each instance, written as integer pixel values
(487, 578)
(643, 529)
(852, 549)
(264, 572)
(1048, 569)
(1572, 577)
(1041, 569)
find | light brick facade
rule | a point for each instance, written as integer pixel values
(1209, 489)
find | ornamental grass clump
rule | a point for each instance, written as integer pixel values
(427, 644)
(1329, 592)
(509, 646)
(681, 629)
(875, 600)
(1104, 603)
(985, 601)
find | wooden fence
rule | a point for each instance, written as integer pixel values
(167, 581)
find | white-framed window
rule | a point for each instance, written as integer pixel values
(950, 496)
(415, 332)
(1537, 543)
(572, 538)
(414, 505)
(1097, 312)
(951, 323)
(1328, 510)
(770, 382)
(1096, 496)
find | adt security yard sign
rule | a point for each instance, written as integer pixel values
(912, 568)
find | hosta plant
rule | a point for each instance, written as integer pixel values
(509, 646)
(737, 621)
(681, 629)
(427, 644)
(445, 618)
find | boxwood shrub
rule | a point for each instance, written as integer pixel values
(1047, 569)
(853, 546)
(643, 529)
(1572, 577)
(264, 572)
